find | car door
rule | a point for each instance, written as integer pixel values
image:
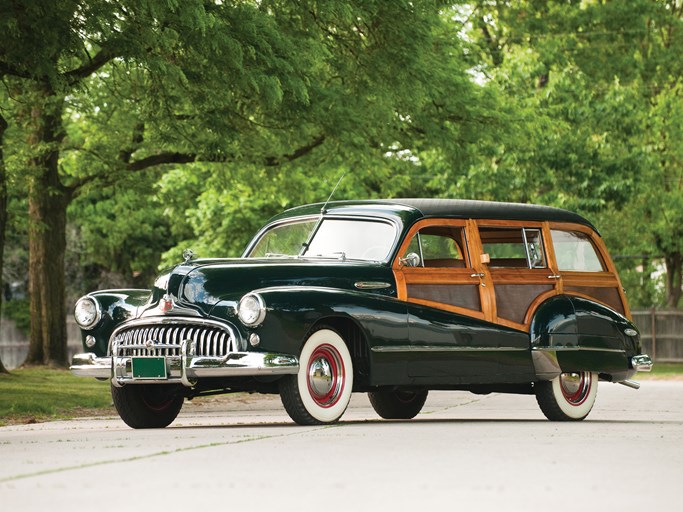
(522, 275)
(453, 340)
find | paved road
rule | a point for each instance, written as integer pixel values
(463, 452)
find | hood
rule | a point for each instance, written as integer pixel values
(205, 283)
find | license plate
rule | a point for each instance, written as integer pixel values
(149, 367)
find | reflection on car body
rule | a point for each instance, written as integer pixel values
(389, 297)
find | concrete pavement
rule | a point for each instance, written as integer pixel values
(465, 452)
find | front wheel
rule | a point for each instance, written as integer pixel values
(321, 391)
(398, 404)
(568, 397)
(147, 405)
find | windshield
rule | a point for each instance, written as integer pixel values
(356, 239)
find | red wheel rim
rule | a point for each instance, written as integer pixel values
(326, 376)
(155, 400)
(576, 387)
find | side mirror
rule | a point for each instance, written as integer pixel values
(410, 260)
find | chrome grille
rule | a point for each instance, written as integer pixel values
(165, 340)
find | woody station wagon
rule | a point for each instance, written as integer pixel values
(389, 297)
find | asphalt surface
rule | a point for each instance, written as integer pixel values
(463, 452)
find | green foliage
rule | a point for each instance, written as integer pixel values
(190, 124)
(597, 91)
(17, 311)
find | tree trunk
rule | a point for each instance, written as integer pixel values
(674, 276)
(3, 210)
(48, 201)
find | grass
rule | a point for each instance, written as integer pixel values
(662, 371)
(31, 395)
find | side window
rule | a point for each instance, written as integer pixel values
(439, 246)
(513, 247)
(575, 252)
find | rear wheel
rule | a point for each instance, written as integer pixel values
(147, 405)
(398, 404)
(569, 397)
(321, 391)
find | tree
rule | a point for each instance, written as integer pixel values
(3, 207)
(103, 90)
(598, 91)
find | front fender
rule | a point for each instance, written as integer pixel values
(117, 306)
(293, 311)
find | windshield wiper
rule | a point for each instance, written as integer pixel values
(340, 255)
(278, 255)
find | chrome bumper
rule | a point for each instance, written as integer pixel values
(641, 363)
(185, 369)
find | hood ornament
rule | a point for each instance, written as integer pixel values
(188, 255)
(166, 303)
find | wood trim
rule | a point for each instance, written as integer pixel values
(522, 276)
(486, 292)
(414, 275)
(401, 286)
(447, 307)
(594, 279)
(513, 325)
(551, 258)
(504, 276)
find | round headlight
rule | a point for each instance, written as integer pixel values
(87, 312)
(251, 310)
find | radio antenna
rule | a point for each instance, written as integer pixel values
(323, 209)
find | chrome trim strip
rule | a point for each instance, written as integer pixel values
(371, 285)
(432, 348)
(436, 348)
(577, 349)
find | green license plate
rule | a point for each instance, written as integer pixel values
(149, 367)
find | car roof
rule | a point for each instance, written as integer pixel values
(447, 208)
(471, 209)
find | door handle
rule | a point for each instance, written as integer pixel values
(554, 276)
(481, 277)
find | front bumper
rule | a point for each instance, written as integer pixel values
(185, 369)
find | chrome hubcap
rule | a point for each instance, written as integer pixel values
(576, 387)
(320, 377)
(326, 377)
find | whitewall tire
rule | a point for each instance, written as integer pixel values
(320, 392)
(568, 397)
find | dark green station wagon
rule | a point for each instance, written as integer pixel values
(389, 297)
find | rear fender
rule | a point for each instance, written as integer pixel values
(570, 334)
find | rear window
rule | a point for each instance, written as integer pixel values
(575, 252)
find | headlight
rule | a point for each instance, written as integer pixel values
(87, 312)
(251, 310)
